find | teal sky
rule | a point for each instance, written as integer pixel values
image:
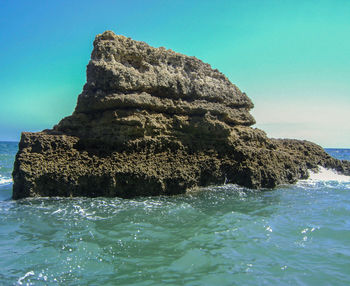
(292, 58)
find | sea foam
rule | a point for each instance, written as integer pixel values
(325, 175)
(5, 181)
(328, 178)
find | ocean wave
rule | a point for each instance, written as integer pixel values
(5, 181)
(324, 175)
(326, 178)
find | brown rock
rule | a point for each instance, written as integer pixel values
(154, 122)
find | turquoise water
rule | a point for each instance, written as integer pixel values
(294, 235)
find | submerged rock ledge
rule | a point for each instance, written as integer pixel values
(150, 121)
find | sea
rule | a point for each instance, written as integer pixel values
(221, 235)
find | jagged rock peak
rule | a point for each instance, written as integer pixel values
(120, 65)
(137, 92)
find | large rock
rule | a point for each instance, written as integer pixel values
(154, 122)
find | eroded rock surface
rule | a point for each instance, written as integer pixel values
(150, 121)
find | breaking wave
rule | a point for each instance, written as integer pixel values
(325, 178)
(325, 175)
(5, 181)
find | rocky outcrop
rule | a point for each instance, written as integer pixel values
(150, 121)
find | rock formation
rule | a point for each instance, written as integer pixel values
(150, 121)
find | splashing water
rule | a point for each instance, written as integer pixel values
(328, 175)
(5, 181)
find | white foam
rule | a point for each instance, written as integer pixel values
(5, 181)
(30, 273)
(326, 175)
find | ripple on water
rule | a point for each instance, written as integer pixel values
(224, 235)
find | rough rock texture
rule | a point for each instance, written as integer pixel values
(154, 122)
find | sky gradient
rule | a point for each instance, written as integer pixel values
(292, 58)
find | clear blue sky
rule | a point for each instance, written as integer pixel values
(292, 58)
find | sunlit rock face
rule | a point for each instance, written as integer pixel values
(150, 121)
(136, 93)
